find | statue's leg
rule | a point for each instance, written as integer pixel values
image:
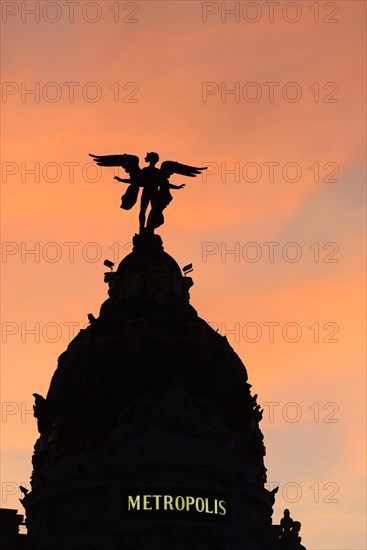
(155, 217)
(143, 208)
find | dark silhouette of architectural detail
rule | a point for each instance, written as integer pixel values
(149, 435)
(10, 538)
(289, 538)
(154, 181)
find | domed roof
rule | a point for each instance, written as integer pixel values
(148, 253)
(139, 260)
(147, 334)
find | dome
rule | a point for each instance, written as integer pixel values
(146, 335)
(148, 253)
(149, 395)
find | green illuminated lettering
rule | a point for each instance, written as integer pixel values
(222, 507)
(189, 502)
(133, 504)
(168, 500)
(180, 503)
(202, 504)
(207, 511)
(145, 502)
(156, 497)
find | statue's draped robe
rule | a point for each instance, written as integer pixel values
(156, 189)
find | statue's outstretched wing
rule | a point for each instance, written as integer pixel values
(130, 163)
(169, 167)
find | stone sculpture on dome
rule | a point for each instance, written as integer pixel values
(154, 181)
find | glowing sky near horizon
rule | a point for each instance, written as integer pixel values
(271, 99)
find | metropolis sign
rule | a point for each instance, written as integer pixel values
(178, 504)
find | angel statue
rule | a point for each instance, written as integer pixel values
(154, 181)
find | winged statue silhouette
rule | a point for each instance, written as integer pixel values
(154, 182)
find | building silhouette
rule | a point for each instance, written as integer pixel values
(149, 434)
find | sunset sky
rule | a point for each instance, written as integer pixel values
(271, 99)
